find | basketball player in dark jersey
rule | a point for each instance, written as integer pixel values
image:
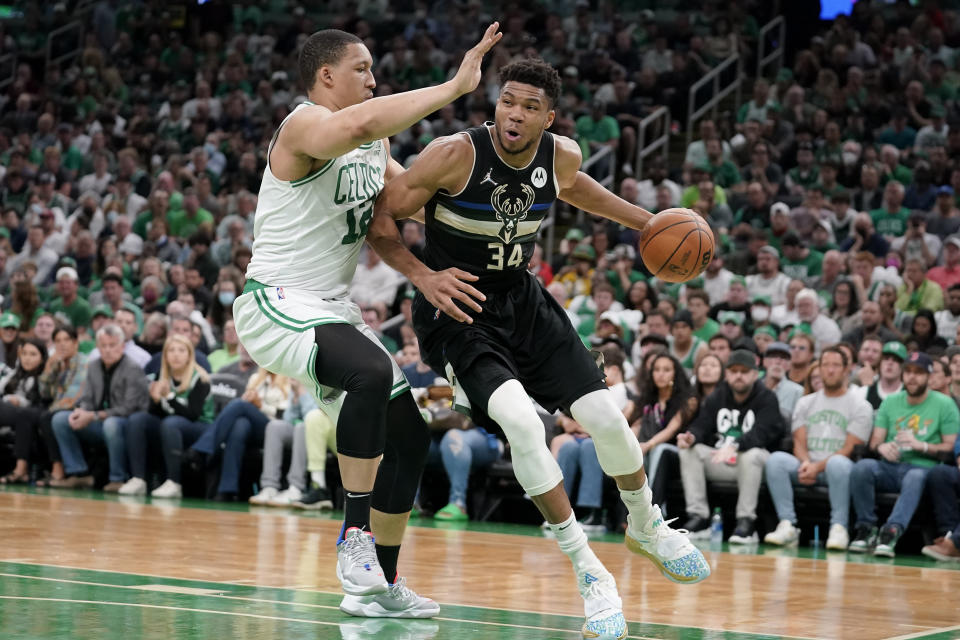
(498, 335)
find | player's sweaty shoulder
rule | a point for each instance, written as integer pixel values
(293, 132)
(447, 161)
(567, 160)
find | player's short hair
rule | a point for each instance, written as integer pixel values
(536, 73)
(323, 48)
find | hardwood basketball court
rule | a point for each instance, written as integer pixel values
(81, 565)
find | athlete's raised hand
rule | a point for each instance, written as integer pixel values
(441, 288)
(468, 76)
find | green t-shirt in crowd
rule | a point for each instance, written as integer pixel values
(709, 329)
(725, 174)
(614, 279)
(801, 269)
(78, 314)
(182, 226)
(890, 224)
(935, 417)
(221, 358)
(804, 179)
(590, 130)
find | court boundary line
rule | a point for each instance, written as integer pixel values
(453, 604)
(273, 602)
(934, 631)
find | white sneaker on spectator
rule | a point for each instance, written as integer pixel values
(265, 496)
(169, 489)
(398, 601)
(602, 606)
(669, 549)
(357, 566)
(285, 498)
(785, 534)
(133, 487)
(839, 538)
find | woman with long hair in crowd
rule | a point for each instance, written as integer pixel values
(641, 296)
(923, 334)
(242, 423)
(707, 375)
(813, 382)
(26, 302)
(181, 407)
(845, 306)
(667, 405)
(22, 403)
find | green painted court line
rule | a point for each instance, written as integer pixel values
(943, 633)
(288, 605)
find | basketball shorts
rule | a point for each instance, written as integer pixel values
(276, 327)
(522, 334)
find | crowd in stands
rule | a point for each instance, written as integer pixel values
(820, 346)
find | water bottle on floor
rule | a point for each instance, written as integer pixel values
(716, 528)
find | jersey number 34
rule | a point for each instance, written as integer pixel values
(516, 256)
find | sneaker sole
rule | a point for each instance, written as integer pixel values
(789, 543)
(858, 549)
(634, 546)
(313, 506)
(836, 547)
(374, 610)
(936, 555)
(739, 540)
(883, 553)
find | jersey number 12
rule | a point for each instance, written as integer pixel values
(353, 232)
(516, 256)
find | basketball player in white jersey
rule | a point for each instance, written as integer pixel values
(326, 165)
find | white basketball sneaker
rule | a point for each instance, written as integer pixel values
(668, 548)
(601, 606)
(398, 601)
(357, 566)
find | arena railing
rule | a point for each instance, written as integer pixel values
(72, 29)
(731, 66)
(658, 126)
(777, 43)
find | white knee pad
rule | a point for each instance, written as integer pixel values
(618, 450)
(536, 470)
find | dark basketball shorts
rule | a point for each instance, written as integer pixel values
(522, 334)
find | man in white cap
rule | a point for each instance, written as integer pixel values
(67, 307)
(768, 281)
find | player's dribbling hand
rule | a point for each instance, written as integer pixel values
(440, 288)
(468, 75)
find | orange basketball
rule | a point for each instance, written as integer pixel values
(677, 245)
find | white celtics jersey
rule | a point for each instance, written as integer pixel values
(307, 233)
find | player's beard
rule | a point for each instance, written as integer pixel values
(516, 152)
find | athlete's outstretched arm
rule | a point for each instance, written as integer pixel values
(322, 135)
(394, 169)
(583, 192)
(444, 164)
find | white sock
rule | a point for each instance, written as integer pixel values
(573, 542)
(639, 504)
(319, 478)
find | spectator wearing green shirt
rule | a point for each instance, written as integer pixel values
(917, 292)
(597, 130)
(622, 275)
(805, 174)
(724, 173)
(69, 308)
(912, 428)
(704, 327)
(799, 262)
(891, 168)
(691, 194)
(230, 351)
(937, 90)
(185, 222)
(890, 220)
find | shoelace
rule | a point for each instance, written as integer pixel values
(400, 591)
(673, 538)
(360, 550)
